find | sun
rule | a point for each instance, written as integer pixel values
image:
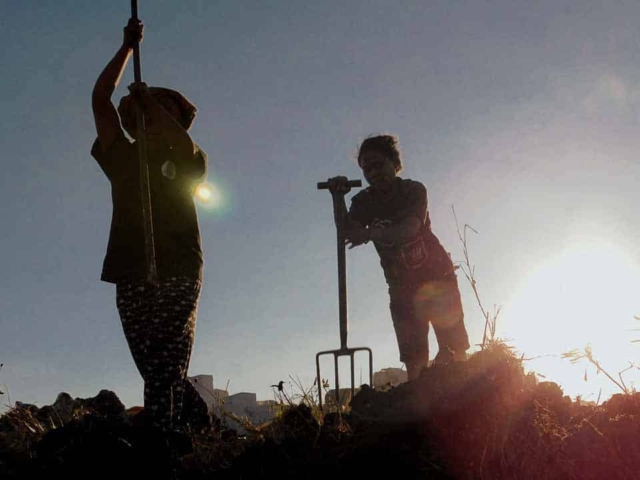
(583, 296)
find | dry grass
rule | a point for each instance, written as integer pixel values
(490, 318)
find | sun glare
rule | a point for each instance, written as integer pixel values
(583, 296)
(208, 195)
(203, 192)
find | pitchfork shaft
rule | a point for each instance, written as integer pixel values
(145, 190)
(338, 198)
(342, 278)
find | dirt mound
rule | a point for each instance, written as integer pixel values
(482, 418)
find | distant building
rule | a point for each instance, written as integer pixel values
(244, 405)
(385, 378)
(204, 385)
(389, 377)
(345, 396)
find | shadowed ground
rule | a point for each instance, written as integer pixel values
(483, 418)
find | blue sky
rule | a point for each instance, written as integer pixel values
(522, 115)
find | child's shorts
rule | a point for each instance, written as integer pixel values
(414, 308)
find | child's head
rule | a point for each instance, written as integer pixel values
(387, 145)
(172, 101)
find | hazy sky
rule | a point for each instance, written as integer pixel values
(522, 115)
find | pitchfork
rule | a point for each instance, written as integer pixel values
(338, 199)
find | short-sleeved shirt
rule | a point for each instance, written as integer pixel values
(172, 182)
(419, 259)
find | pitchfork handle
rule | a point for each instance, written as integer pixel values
(145, 192)
(349, 183)
(137, 70)
(338, 207)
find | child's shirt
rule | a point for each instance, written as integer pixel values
(175, 225)
(414, 261)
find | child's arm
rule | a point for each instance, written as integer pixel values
(410, 219)
(397, 233)
(104, 112)
(342, 219)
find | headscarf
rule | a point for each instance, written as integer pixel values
(127, 112)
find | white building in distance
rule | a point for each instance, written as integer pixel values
(389, 377)
(243, 405)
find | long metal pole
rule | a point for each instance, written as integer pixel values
(342, 273)
(145, 191)
(337, 198)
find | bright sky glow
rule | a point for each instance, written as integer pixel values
(583, 296)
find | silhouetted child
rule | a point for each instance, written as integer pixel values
(158, 320)
(392, 212)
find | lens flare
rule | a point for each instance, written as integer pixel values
(208, 195)
(203, 192)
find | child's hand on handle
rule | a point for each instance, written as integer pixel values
(339, 184)
(140, 91)
(133, 33)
